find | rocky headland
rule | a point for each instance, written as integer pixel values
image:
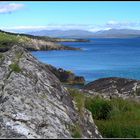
(34, 43)
(113, 87)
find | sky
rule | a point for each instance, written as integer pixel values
(86, 15)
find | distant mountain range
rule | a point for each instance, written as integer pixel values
(111, 33)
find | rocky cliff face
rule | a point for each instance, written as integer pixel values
(115, 86)
(34, 104)
(40, 44)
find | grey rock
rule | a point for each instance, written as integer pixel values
(114, 87)
(33, 102)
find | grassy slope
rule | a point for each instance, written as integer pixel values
(115, 118)
(46, 38)
(31, 42)
(7, 40)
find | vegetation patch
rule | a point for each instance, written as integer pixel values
(78, 98)
(6, 39)
(1, 55)
(99, 108)
(137, 92)
(115, 118)
(15, 67)
(76, 131)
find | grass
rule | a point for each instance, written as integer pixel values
(7, 40)
(100, 108)
(15, 67)
(76, 131)
(137, 92)
(115, 118)
(1, 57)
(79, 99)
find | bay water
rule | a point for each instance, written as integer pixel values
(98, 58)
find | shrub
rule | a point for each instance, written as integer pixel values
(99, 108)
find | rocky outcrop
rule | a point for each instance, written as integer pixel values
(114, 86)
(66, 76)
(34, 104)
(37, 45)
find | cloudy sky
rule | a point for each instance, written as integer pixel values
(91, 16)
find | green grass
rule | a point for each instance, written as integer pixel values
(15, 67)
(76, 131)
(115, 118)
(100, 108)
(79, 99)
(7, 40)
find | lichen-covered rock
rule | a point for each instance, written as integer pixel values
(114, 87)
(38, 44)
(33, 103)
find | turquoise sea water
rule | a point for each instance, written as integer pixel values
(99, 58)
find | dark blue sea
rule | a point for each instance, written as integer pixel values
(99, 58)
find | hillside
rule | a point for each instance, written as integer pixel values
(30, 42)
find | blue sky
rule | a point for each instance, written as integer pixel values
(92, 16)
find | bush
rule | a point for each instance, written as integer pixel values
(99, 108)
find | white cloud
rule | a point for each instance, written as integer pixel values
(112, 22)
(122, 25)
(10, 7)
